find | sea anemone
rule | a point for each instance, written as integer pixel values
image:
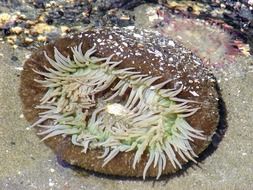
(212, 40)
(101, 103)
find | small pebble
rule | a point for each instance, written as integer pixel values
(51, 184)
(16, 30)
(41, 28)
(39, 4)
(171, 43)
(124, 17)
(28, 40)
(52, 170)
(41, 38)
(11, 39)
(14, 58)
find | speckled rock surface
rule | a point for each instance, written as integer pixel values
(26, 163)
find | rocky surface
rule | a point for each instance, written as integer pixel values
(34, 22)
(26, 163)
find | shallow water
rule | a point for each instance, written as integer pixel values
(26, 163)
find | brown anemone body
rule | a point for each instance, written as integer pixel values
(149, 53)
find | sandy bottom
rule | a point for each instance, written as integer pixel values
(26, 163)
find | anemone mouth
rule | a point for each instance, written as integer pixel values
(118, 110)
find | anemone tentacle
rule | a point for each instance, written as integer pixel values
(149, 119)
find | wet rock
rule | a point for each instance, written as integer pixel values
(53, 35)
(11, 3)
(146, 15)
(65, 29)
(85, 20)
(6, 31)
(49, 21)
(41, 28)
(72, 13)
(16, 30)
(246, 13)
(111, 4)
(28, 41)
(39, 4)
(4, 18)
(14, 58)
(11, 39)
(119, 18)
(41, 38)
(29, 11)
